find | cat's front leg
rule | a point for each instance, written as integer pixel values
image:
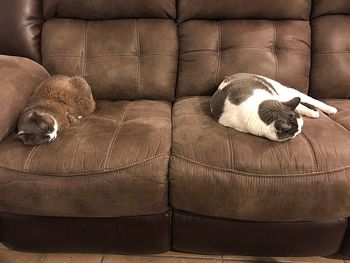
(303, 110)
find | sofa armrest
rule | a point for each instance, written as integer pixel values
(18, 79)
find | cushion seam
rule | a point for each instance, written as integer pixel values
(274, 49)
(230, 149)
(67, 175)
(213, 51)
(331, 52)
(85, 50)
(313, 154)
(109, 55)
(242, 173)
(343, 127)
(137, 26)
(114, 138)
(218, 55)
(29, 158)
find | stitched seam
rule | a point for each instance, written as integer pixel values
(29, 158)
(131, 120)
(132, 165)
(346, 129)
(257, 174)
(331, 52)
(218, 54)
(230, 150)
(108, 55)
(313, 154)
(274, 49)
(212, 51)
(85, 50)
(113, 140)
(138, 57)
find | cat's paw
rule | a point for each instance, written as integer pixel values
(331, 110)
(314, 114)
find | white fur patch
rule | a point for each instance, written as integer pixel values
(223, 84)
(244, 117)
(53, 135)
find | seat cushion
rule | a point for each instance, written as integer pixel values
(343, 115)
(113, 163)
(218, 171)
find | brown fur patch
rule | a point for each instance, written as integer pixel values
(61, 97)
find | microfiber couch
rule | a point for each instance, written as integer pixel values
(150, 170)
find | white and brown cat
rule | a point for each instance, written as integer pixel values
(261, 106)
(57, 103)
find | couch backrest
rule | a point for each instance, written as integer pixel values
(330, 71)
(129, 49)
(222, 37)
(125, 49)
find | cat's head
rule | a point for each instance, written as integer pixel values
(283, 123)
(36, 128)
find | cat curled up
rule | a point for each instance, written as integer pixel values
(261, 106)
(56, 104)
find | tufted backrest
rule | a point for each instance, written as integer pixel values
(330, 71)
(125, 49)
(223, 37)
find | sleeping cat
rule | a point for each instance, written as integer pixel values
(57, 103)
(261, 106)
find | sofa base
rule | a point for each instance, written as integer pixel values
(345, 249)
(123, 235)
(206, 235)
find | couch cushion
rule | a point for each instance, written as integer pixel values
(343, 115)
(329, 76)
(106, 9)
(113, 163)
(121, 59)
(212, 50)
(218, 171)
(233, 9)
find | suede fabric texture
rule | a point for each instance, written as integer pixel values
(329, 77)
(120, 59)
(212, 50)
(20, 28)
(106, 9)
(334, 7)
(19, 78)
(343, 115)
(220, 172)
(113, 163)
(233, 9)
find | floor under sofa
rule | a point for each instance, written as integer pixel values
(11, 256)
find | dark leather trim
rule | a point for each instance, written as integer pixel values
(20, 28)
(345, 247)
(123, 235)
(206, 235)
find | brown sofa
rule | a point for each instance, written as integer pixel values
(150, 170)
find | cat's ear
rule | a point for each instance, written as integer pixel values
(35, 116)
(72, 119)
(40, 119)
(293, 103)
(23, 136)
